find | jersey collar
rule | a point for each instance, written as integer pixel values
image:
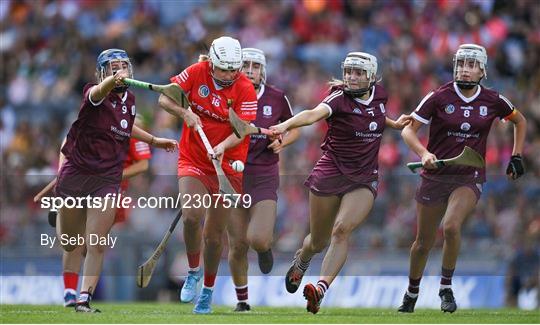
(368, 101)
(261, 91)
(467, 99)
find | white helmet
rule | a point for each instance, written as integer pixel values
(470, 52)
(225, 53)
(257, 56)
(361, 61)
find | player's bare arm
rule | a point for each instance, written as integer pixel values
(520, 128)
(411, 139)
(101, 90)
(163, 143)
(303, 118)
(400, 123)
(135, 169)
(171, 107)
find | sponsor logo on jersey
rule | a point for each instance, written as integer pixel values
(373, 126)
(204, 91)
(465, 126)
(267, 110)
(124, 124)
(356, 110)
(449, 109)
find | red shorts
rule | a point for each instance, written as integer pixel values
(209, 177)
(431, 192)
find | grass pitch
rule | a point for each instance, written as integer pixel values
(181, 313)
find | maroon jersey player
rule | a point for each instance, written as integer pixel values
(343, 184)
(254, 226)
(460, 113)
(95, 149)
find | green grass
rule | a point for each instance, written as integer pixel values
(177, 313)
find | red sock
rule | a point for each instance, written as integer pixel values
(71, 280)
(193, 259)
(209, 280)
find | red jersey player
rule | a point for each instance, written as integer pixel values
(213, 87)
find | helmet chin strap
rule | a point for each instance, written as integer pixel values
(358, 92)
(466, 85)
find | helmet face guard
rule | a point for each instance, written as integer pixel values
(469, 56)
(359, 61)
(226, 54)
(253, 55)
(105, 60)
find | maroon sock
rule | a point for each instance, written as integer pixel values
(446, 277)
(242, 293)
(414, 287)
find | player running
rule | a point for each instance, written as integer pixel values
(95, 148)
(254, 226)
(136, 162)
(211, 85)
(343, 183)
(460, 113)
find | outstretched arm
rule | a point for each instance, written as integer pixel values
(400, 123)
(163, 143)
(303, 118)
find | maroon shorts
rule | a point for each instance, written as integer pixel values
(327, 180)
(431, 192)
(74, 182)
(261, 187)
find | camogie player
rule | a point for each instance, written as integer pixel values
(254, 226)
(343, 183)
(136, 162)
(460, 113)
(95, 149)
(213, 87)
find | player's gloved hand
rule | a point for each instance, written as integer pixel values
(515, 167)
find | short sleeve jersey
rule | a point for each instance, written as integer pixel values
(273, 108)
(355, 129)
(212, 103)
(457, 121)
(98, 141)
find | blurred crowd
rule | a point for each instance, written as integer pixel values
(49, 50)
